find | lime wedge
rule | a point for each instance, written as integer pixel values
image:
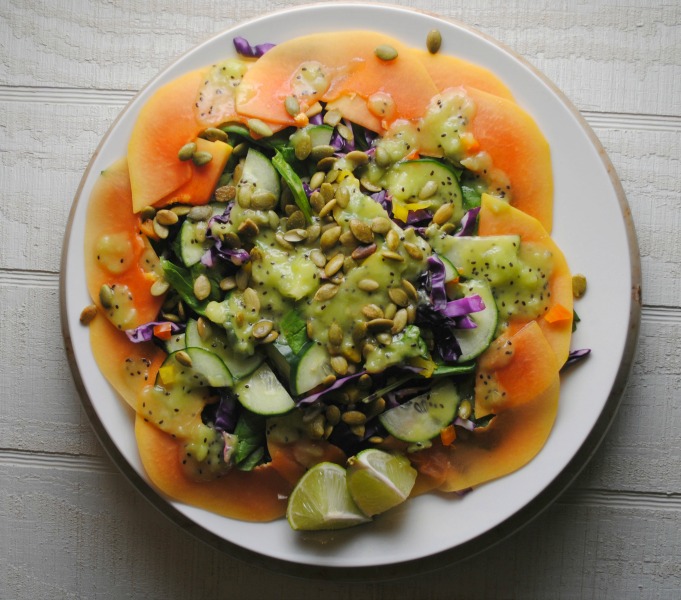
(321, 500)
(378, 480)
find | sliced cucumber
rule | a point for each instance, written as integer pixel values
(193, 245)
(320, 135)
(422, 418)
(406, 180)
(206, 370)
(216, 342)
(175, 343)
(450, 270)
(258, 175)
(262, 393)
(474, 342)
(310, 368)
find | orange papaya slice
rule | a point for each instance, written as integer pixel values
(451, 71)
(116, 254)
(165, 123)
(127, 367)
(498, 218)
(199, 189)
(516, 145)
(216, 97)
(330, 65)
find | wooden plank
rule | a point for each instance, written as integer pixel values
(112, 544)
(595, 54)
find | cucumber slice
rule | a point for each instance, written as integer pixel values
(422, 418)
(450, 270)
(480, 257)
(310, 369)
(262, 393)
(175, 343)
(406, 180)
(216, 342)
(474, 342)
(320, 135)
(193, 246)
(206, 370)
(259, 175)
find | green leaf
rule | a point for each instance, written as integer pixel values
(462, 369)
(294, 183)
(250, 432)
(294, 330)
(181, 280)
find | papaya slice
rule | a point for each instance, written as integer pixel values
(327, 66)
(216, 97)
(498, 218)
(450, 71)
(116, 254)
(127, 367)
(165, 123)
(199, 189)
(517, 147)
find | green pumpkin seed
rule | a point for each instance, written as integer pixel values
(385, 52)
(201, 158)
(166, 217)
(259, 127)
(183, 358)
(292, 105)
(434, 41)
(317, 179)
(202, 287)
(187, 151)
(443, 214)
(88, 314)
(213, 134)
(578, 285)
(332, 117)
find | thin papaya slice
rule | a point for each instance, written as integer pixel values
(498, 218)
(117, 255)
(199, 189)
(127, 367)
(257, 495)
(327, 66)
(216, 97)
(516, 145)
(451, 71)
(165, 123)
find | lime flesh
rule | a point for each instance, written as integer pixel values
(378, 480)
(321, 500)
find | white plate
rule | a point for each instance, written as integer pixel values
(593, 227)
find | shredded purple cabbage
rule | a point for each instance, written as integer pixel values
(243, 48)
(465, 423)
(220, 250)
(468, 222)
(575, 356)
(383, 199)
(227, 412)
(145, 333)
(317, 119)
(463, 306)
(435, 283)
(339, 383)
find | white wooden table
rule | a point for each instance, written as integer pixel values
(71, 526)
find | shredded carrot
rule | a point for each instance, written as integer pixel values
(448, 435)
(163, 331)
(147, 228)
(557, 313)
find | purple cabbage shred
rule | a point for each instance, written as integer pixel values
(576, 356)
(468, 222)
(245, 49)
(145, 333)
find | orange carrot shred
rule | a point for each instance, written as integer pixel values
(557, 313)
(163, 331)
(448, 435)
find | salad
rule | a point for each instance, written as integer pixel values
(323, 290)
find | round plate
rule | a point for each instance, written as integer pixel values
(592, 225)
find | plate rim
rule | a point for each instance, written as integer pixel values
(486, 540)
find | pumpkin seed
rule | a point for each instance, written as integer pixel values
(410, 289)
(201, 287)
(251, 300)
(159, 287)
(292, 105)
(413, 250)
(240, 149)
(248, 228)
(578, 285)
(87, 314)
(263, 200)
(354, 417)
(279, 238)
(317, 257)
(332, 175)
(241, 279)
(398, 296)
(201, 158)
(317, 179)
(448, 228)
(327, 208)
(334, 265)
(361, 231)
(330, 237)
(326, 164)
(327, 191)
(228, 283)
(443, 214)
(381, 225)
(348, 240)
(362, 252)
(160, 230)
(335, 334)
(326, 292)
(382, 157)
(106, 295)
(243, 196)
(411, 314)
(358, 158)
(368, 285)
(359, 331)
(352, 354)
(203, 328)
(385, 52)
(343, 197)
(322, 151)
(339, 364)
(384, 338)
(213, 134)
(465, 409)
(317, 201)
(313, 232)
(369, 185)
(273, 335)
(399, 321)
(183, 358)
(262, 329)
(434, 41)
(390, 310)
(231, 239)
(259, 127)
(166, 217)
(200, 213)
(349, 264)
(388, 254)
(379, 324)
(428, 190)
(148, 213)
(332, 414)
(392, 240)
(294, 236)
(302, 145)
(187, 151)
(372, 311)
(346, 133)
(376, 439)
(375, 408)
